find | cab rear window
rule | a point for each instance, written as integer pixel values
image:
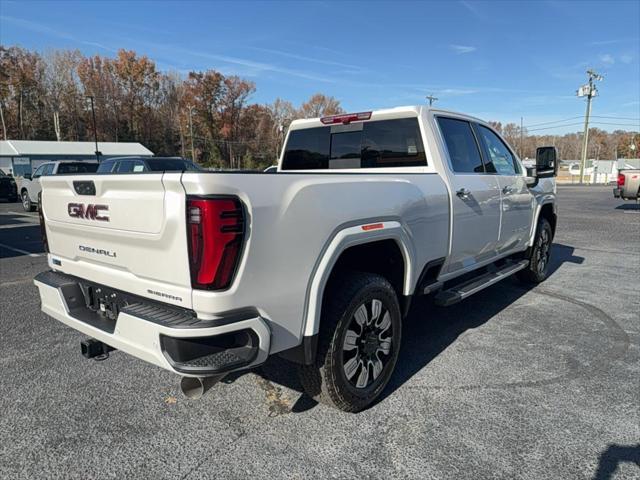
(377, 144)
(77, 168)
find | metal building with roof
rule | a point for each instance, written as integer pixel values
(24, 156)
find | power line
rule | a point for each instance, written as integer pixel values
(557, 121)
(621, 124)
(581, 117)
(580, 123)
(616, 118)
(550, 128)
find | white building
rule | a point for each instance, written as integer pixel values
(24, 156)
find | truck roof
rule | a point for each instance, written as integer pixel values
(385, 114)
(70, 161)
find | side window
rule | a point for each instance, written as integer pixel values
(500, 158)
(137, 166)
(124, 166)
(39, 171)
(106, 167)
(462, 146)
(48, 169)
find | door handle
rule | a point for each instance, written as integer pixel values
(507, 190)
(463, 193)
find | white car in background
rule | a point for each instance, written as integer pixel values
(30, 184)
(574, 169)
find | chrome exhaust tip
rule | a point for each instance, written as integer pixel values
(195, 387)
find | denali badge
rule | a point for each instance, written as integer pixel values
(99, 251)
(90, 212)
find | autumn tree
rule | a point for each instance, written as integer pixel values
(320, 105)
(21, 93)
(63, 95)
(44, 97)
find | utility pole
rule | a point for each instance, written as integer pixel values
(193, 154)
(521, 136)
(589, 90)
(95, 131)
(431, 99)
(4, 126)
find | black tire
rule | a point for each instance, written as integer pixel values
(349, 342)
(27, 204)
(538, 255)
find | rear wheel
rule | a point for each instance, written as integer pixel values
(358, 345)
(539, 255)
(27, 204)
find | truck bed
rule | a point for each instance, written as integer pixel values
(292, 220)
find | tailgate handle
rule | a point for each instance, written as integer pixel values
(84, 187)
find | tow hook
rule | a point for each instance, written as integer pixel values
(195, 387)
(92, 348)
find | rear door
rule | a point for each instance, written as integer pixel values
(517, 200)
(475, 198)
(124, 231)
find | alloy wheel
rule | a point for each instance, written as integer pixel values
(544, 247)
(367, 344)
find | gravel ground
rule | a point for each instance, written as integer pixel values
(511, 383)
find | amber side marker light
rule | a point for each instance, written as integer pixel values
(372, 226)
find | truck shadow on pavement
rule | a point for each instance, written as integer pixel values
(427, 331)
(613, 456)
(24, 240)
(629, 206)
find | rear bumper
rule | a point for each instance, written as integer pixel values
(180, 344)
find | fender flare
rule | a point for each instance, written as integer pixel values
(343, 238)
(545, 200)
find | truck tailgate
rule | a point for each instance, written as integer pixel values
(124, 231)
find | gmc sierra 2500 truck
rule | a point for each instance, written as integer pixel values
(204, 273)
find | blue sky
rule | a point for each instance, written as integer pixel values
(496, 60)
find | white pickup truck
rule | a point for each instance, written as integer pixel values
(30, 184)
(628, 187)
(204, 273)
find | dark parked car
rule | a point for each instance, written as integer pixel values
(146, 164)
(8, 187)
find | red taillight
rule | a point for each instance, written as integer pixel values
(621, 179)
(346, 118)
(215, 233)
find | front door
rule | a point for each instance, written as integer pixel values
(475, 199)
(517, 200)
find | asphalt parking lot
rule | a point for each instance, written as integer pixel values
(511, 383)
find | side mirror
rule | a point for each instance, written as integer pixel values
(532, 177)
(27, 176)
(546, 162)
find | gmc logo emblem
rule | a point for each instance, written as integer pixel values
(90, 212)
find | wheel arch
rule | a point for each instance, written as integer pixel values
(546, 209)
(348, 248)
